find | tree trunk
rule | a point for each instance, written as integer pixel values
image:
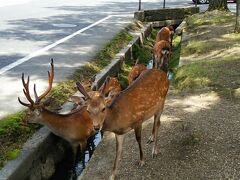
(237, 28)
(218, 5)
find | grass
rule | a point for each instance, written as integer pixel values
(208, 18)
(211, 54)
(14, 132)
(174, 61)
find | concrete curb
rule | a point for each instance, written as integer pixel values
(184, 38)
(166, 22)
(36, 155)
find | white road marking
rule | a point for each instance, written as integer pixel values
(38, 52)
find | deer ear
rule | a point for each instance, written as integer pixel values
(82, 90)
(103, 87)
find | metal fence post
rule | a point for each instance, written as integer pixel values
(139, 5)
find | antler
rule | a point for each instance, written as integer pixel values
(50, 81)
(82, 90)
(26, 92)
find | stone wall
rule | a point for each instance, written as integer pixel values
(37, 158)
(165, 14)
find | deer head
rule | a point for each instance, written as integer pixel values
(35, 107)
(161, 53)
(96, 104)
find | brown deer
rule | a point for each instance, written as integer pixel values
(112, 87)
(75, 127)
(161, 55)
(136, 70)
(143, 99)
(165, 33)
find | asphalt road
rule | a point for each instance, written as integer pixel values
(70, 31)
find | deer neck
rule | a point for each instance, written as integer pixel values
(53, 121)
(114, 123)
(108, 122)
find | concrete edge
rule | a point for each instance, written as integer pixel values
(32, 150)
(182, 32)
(179, 30)
(166, 22)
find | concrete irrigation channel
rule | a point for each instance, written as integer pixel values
(41, 154)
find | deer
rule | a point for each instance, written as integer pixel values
(144, 98)
(112, 87)
(165, 33)
(75, 127)
(136, 70)
(161, 55)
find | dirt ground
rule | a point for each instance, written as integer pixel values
(199, 138)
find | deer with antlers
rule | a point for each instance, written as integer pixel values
(75, 127)
(143, 99)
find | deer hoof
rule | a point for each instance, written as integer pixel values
(154, 153)
(112, 177)
(141, 163)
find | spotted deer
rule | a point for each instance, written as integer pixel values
(75, 127)
(143, 99)
(112, 87)
(165, 33)
(135, 72)
(161, 55)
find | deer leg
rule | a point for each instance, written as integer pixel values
(156, 127)
(119, 147)
(151, 138)
(138, 135)
(83, 145)
(75, 160)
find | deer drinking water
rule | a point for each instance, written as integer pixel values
(161, 55)
(75, 127)
(165, 33)
(144, 98)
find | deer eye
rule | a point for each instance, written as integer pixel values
(103, 109)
